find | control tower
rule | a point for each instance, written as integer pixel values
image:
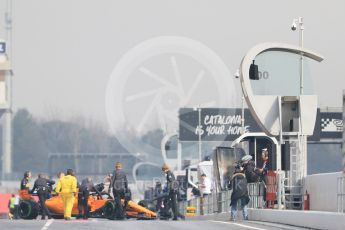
(272, 76)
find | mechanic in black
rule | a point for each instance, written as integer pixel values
(119, 184)
(41, 185)
(24, 183)
(83, 196)
(158, 192)
(172, 186)
(50, 184)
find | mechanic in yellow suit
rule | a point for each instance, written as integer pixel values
(67, 188)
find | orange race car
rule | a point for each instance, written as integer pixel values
(99, 207)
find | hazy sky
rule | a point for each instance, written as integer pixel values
(65, 51)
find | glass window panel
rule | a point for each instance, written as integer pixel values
(279, 74)
(324, 158)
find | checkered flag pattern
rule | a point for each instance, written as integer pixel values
(331, 125)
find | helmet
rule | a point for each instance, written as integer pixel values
(246, 158)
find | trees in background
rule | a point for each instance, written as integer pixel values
(29, 148)
(34, 139)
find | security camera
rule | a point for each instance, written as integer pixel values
(237, 74)
(294, 25)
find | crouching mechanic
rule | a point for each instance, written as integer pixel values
(119, 183)
(238, 185)
(67, 188)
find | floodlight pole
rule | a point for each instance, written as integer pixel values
(242, 108)
(199, 130)
(302, 138)
(199, 118)
(301, 41)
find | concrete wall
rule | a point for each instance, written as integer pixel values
(306, 219)
(323, 191)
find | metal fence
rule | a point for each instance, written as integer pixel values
(256, 193)
(220, 202)
(341, 194)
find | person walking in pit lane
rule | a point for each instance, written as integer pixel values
(41, 185)
(172, 190)
(119, 184)
(67, 188)
(238, 185)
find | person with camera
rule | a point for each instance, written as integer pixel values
(119, 183)
(249, 169)
(238, 185)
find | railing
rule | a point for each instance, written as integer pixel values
(341, 194)
(256, 193)
(224, 201)
(220, 202)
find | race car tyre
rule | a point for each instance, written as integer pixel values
(28, 209)
(143, 203)
(109, 209)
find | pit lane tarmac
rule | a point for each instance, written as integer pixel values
(102, 224)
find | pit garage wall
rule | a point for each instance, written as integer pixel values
(323, 191)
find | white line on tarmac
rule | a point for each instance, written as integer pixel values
(48, 223)
(240, 225)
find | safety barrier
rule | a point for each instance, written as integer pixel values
(341, 194)
(220, 202)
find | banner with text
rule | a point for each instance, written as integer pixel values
(214, 124)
